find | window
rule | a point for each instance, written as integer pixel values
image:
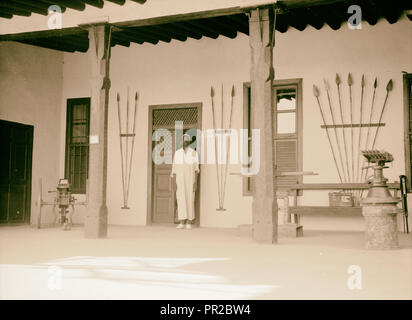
(407, 85)
(287, 130)
(77, 143)
(287, 125)
(247, 181)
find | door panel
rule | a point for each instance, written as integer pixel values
(16, 142)
(4, 202)
(17, 203)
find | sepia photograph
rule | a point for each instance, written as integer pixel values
(212, 156)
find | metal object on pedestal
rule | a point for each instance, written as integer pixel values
(379, 207)
(64, 199)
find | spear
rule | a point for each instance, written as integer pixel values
(360, 129)
(334, 127)
(121, 144)
(228, 144)
(350, 82)
(127, 131)
(131, 152)
(221, 168)
(338, 82)
(389, 87)
(375, 84)
(212, 94)
(316, 94)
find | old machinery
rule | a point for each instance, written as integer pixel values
(63, 200)
(379, 207)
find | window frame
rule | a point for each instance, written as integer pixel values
(247, 182)
(69, 127)
(407, 95)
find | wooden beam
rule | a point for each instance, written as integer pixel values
(139, 36)
(224, 29)
(48, 3)
(314, 19)
(95, 3)
(95, 225)
(13, 11)
(151, 31)
(6, 15)
(119, 2)
(21, 5)
(72, 4)
(189, 29)
(168, 32)
(175, 28)
(264, 205)
(241, 24)
(203, 29)
(48, 45)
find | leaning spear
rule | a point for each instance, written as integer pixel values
(212, 94)
(228, 144)
(360, 130)
(131, 152)
(350, 82)
(389, 87)
(121, 144)
(334, 127)
(338, 82)
(375, 84)
(316, 94)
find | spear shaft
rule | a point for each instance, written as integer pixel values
(121, 144)
(388, 89)
(228, 144)
(375, 84)
(316, 94)
(131, 152)
(212, 94)
(343, 129)
(360, 130)
(334, 127)
(351, 123)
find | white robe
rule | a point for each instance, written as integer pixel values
(185, 166)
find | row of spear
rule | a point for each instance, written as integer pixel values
(347, 158)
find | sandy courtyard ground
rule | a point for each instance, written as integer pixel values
(161, 262)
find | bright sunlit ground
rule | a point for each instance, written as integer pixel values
(161, 262)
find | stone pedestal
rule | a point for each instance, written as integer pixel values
(381, 230)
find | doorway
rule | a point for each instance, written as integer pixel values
(16, 143)
(162, 204)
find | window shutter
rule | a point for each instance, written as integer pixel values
(286, 161)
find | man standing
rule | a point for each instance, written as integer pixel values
(185, 168)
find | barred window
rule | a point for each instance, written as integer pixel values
(77, 143)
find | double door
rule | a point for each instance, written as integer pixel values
(16, 144)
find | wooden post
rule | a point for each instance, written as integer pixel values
(99, 52)
(264, 207)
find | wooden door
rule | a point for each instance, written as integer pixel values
(164, 198)
(16, 143)
(163, 193)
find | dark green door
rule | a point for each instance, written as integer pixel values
(16, 144)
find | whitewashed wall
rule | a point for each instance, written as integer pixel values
(31, 92)
(180, 72)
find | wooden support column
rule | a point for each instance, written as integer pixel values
(99, 51)
(264, 207)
